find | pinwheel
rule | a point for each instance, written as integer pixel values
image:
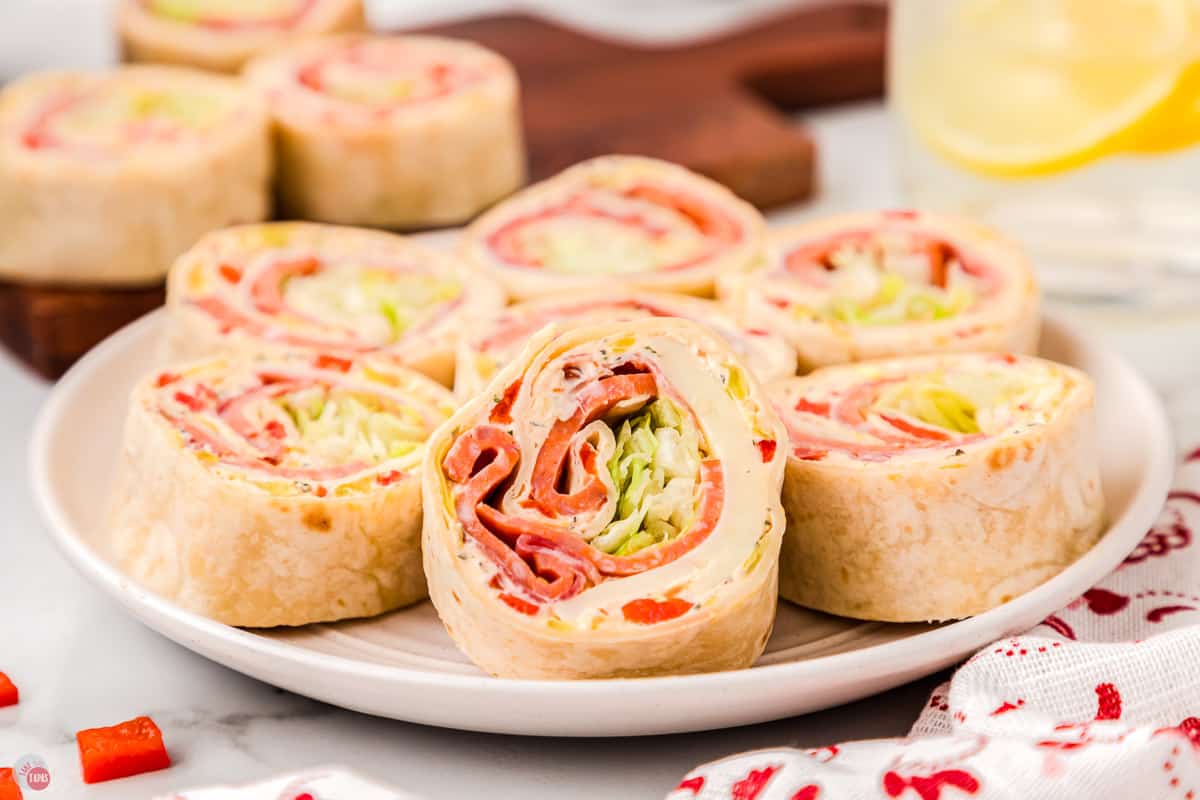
(277, 489)
(397, 131)
(608, 506)
(106, 177)
(223, 34)
(498, 341)
(617, 222)
(867, 286)
(321, 287)
(935, 487)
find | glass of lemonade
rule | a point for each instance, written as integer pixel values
(1073, 125)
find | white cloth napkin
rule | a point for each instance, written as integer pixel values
(1100, 700)
(324, 783)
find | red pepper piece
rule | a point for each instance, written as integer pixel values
(518, 604)
(9, 790)
(230, 273)
(333, 362)
(128, 748)
(502, 411)
(9, 696)
(166, 378)
(388, 478)
(767, 448)
(646, 611)
(809, 407)
(194, 403)
(275, 429)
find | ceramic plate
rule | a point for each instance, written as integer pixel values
(403, 665)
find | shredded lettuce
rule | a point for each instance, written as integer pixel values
(931, 401)
(655, 468)
(345, 426)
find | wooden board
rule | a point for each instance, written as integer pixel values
(717, 107)
(49, 328)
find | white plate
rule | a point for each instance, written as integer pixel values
(403, 665)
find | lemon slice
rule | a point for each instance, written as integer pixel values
(1033, 87)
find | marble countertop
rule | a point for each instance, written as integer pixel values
(80, 661)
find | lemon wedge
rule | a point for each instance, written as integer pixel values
(1018, 88)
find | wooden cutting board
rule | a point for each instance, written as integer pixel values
(718, 107)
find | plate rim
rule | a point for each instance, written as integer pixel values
(902, 655)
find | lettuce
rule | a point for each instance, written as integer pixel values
(932, 402)
(655, 468)
(345, 427)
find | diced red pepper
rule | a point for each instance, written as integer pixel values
(502, 411)
(333, 362)
(194, 403)
(388, 478)
(9, 696)
(647, 611)
(767, 448)
(129, 748)
(321, 491)
(230, 273)
(165, 378)
(809, 453)
(9, 790)
(275, 429)
(519, 604)
(808, 406)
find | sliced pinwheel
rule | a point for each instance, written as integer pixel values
(327, 289)
(392, 131)
(608, 506)
(107, 177)
(500, 339)
(620, 222)
(277, 489)
(863, 286)
(222, 35)
(935, 487)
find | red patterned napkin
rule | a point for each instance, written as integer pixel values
(1101, 699)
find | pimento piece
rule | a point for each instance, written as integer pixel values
(646, 611)
(388, 478)
(9, 790)
(809, 407)
(502, 411)
(165, 378)
(194, 403)
(519, 604)
(128, 748)
(333, 362)
(230, 273)
(767, 448)
(9, 696)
